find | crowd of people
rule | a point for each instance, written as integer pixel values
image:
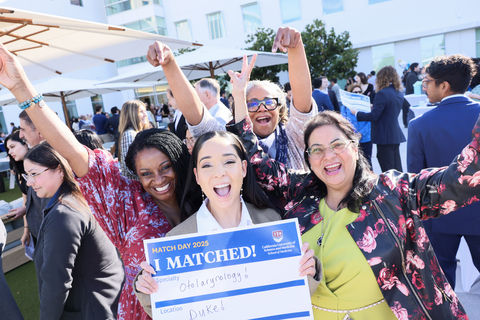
(261, 154)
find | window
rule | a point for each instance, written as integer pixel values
(477, 42)
(117, 6)
(71, 109)
(383, 55)
(251, 17)
(332, 6)
(431, 47)
(376, 1)
(151, 24)
(76, 3)
(215, 24)
(290, 10)
(156, 95)
(129, 62)
(183, 30)
(97, 100)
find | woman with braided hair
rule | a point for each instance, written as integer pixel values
(129, 211)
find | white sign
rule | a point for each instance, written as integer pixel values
(355, 101)
(247, 273)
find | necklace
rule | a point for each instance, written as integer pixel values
(319, 241)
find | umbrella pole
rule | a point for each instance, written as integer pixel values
(212, 71)
(65, 112)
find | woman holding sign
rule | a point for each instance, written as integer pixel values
(367, 230)
(386, 132)
(220, 165)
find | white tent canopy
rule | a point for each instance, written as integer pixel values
(60, 88)
(48, 45)
(54, 88)
(204, 62)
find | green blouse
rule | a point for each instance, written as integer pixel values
(348, 281)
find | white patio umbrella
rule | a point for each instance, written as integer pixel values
(48, 45)
(60, 88)
(204, 62)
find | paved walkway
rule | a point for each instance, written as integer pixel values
(470, 301)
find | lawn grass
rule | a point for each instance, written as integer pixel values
(10, 195)
(23, 284)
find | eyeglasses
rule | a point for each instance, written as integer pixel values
(31, 177)
(269, 104)
(189, 141)
(318, 151)
(426, 81)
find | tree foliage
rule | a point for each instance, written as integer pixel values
(181, 51)
(262, 40)
(329, 54)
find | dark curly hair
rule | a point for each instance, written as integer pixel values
(456, 69)
(170, 145)
(364, 178)
(252, 193)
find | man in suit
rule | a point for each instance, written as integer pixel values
(334, 100)
(34, 205)
(223, 99)
(320, 94)
(434, 140)
(411, 78)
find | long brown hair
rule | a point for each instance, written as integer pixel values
(129, 118)
(44, 155)
(386, 76)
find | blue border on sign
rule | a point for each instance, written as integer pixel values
(232, 293)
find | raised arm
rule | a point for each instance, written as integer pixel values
(13, 77)
(187, 99)
(239, 88)
(298, 71)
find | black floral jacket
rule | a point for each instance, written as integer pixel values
(388, 230)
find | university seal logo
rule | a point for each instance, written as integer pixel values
(277, 235)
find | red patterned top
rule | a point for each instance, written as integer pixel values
(128, 215)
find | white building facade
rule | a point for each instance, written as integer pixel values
(385, 32)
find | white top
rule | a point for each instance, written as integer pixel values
(176, 117)
(221, 113)
(206, 222)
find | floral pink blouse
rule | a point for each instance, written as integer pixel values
(128, 215)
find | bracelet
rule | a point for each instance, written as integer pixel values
(31, 102)
(25, 227)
